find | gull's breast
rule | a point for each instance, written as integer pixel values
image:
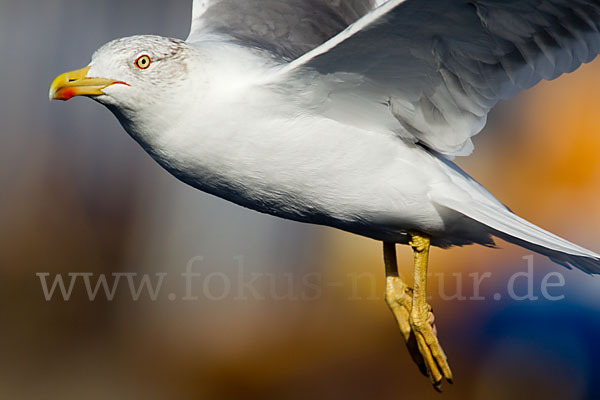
(306, 168)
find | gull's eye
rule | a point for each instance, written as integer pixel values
(143, 62)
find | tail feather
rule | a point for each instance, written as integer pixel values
(512, 228)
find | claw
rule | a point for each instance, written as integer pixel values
(414, 315)
(421, 337)
(431, 350)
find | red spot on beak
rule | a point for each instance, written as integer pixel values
(65, 94)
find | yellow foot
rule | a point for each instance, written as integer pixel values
(398, 296)
(419, 333)
(422, 323)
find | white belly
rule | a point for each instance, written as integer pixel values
(311, 170)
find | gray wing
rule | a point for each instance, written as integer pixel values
(286, 28)
(439, 66)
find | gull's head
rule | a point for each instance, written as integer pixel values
(129, 75)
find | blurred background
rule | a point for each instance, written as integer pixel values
(281, 310)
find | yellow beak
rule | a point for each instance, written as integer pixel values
(76, 83)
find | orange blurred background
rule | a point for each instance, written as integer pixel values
(78, 195)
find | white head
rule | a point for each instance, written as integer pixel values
(136, 78)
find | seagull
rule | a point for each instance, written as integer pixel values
(348, 114)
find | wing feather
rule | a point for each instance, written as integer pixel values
(441, 65)
(285, 28)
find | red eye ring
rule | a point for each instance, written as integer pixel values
(143, 62)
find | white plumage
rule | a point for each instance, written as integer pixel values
(346, 113)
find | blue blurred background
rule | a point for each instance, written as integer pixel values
(78, 195)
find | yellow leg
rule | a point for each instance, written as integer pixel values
(398, 296)
(421, 316)
(413, 314)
